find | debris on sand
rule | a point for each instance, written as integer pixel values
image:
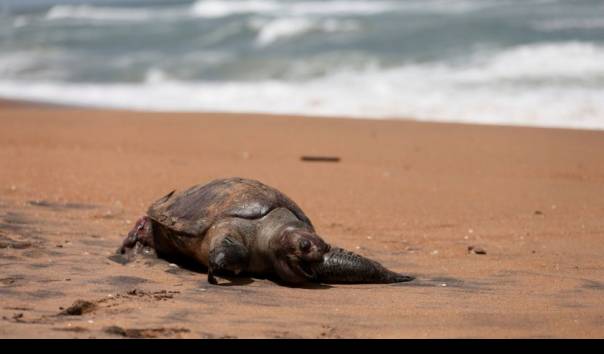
(538, 212)
(476, 250)
(79, 308)
(17, 317)
(144, 332)
(156, 295)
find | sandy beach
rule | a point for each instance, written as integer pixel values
(414, 196)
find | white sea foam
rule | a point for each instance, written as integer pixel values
(217, 8)
(270, 31)
(154, 76)
(569, 24)
(223, 8)
(274, 8)
(90, 12)
(116, 14)
(568, 60)
(488, 90)
(220, 8)
(15, 62)
(21, 21)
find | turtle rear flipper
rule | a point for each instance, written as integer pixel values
(342, 266)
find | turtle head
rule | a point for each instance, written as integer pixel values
(296, 251)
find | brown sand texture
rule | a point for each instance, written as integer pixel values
(421, 198)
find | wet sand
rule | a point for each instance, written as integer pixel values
(414, 196)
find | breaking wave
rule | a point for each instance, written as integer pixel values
(225, 8)
(539, 89)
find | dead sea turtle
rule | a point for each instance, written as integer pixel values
(240, 225)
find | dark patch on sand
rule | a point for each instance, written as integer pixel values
(14, 218)
(261, 302)
(599, 322)
(76, 329)
(420, 281)
(542, 336)
(490, 320)
(152, 260)
(593, 285)
(573, 305)
(283, 335)
(18, 245)
(95, 242)
(12, 227)
(11, 280)
(6, 291)
(452, 282)
(125, 280)
(440, 226)
(446, 282)
(61, 206)
(9, 258)
(34, 253)
(145, 332)
(119, 259)
(179, 271)
(55, 253)
(181, 315)
(19, 308)
(40, 265)
(228, 290)
(45, 294)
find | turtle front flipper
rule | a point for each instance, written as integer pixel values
(342, 266)
(229, 255)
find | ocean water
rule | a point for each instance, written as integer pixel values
(521, 62)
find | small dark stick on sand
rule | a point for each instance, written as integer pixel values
(320, 158)
(476, 250)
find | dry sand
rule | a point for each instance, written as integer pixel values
(413, 196)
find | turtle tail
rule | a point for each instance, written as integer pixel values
(342, 266)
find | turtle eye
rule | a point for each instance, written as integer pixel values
(304, 245)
